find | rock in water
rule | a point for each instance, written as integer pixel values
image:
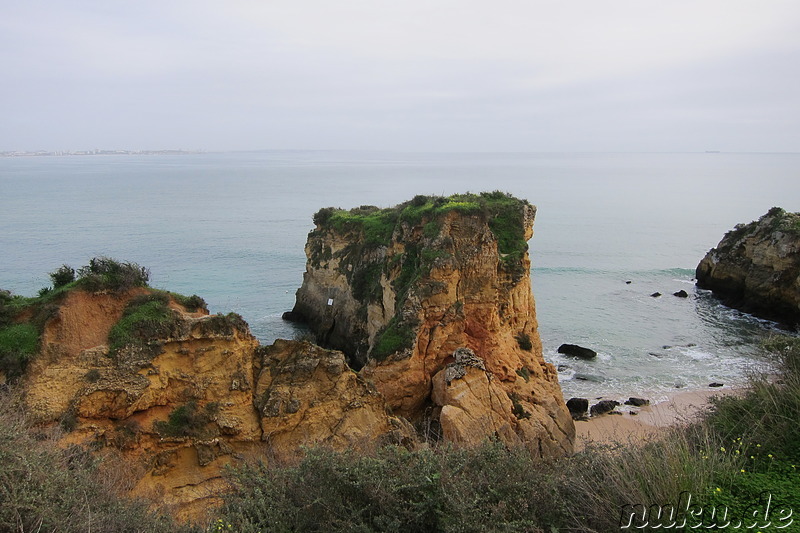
(577, 351)
(399, 290)
(756, 267)
(681, 294)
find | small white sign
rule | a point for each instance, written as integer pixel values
(330, 301)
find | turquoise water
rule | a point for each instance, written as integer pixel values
(231, 228)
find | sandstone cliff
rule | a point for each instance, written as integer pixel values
(180, 393)
(756, 267)
(403, 290)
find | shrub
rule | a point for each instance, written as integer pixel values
(322, 216)
(18, 342)
(48, 489)
(146, 319)
(191, 303)
(64, 275)
(104, 273)
(189, 420)
(396, 336)
(524, 342)
(92, 376)
(490, 488)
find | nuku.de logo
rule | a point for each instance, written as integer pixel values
(764, 513)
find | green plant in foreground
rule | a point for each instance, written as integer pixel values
(18, 343)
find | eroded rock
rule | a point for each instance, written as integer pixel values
(399, 290)
(756, 267)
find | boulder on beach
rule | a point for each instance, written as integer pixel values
(716, 384)
(603, 407)
(577, 351)
(578, 408)
(637, 402)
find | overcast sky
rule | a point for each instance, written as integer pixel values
(461, 75)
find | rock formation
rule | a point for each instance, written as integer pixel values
(756, 267)
(180, 393)
(403, 291)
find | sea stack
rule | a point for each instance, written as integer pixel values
(756, 267)
(431, 302)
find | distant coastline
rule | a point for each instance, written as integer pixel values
(58, 153)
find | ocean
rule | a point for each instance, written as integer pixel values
(231, 227)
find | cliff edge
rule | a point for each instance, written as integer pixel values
(756, 267)
(431, 301)
(122, 368)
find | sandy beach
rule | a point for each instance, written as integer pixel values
(646, 422)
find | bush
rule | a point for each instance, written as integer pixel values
(18, 342)
(104, 273)
(146, 319)
(524, 342)
(189, 420)
(490, 488)
(191, 303)
(322, 216)
(395, 337)
(48, 489)
(63, 276)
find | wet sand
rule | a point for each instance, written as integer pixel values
(649, 421)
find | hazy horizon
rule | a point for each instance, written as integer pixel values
(516, 76)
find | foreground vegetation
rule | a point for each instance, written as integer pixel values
(743, 449)
(44, 488)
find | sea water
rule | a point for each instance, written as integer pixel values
(611, 229)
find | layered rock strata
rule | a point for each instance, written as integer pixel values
(756, 267)
(187, 393)
(403, 290)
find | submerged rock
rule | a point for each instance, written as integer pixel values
(756, 267)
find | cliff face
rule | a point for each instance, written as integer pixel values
(401, 290)
(180, 394)
(756, 267)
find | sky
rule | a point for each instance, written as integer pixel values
(412, 75)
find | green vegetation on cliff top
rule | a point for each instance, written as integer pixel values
(22, 319)
(779, 220)
(503, 212)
